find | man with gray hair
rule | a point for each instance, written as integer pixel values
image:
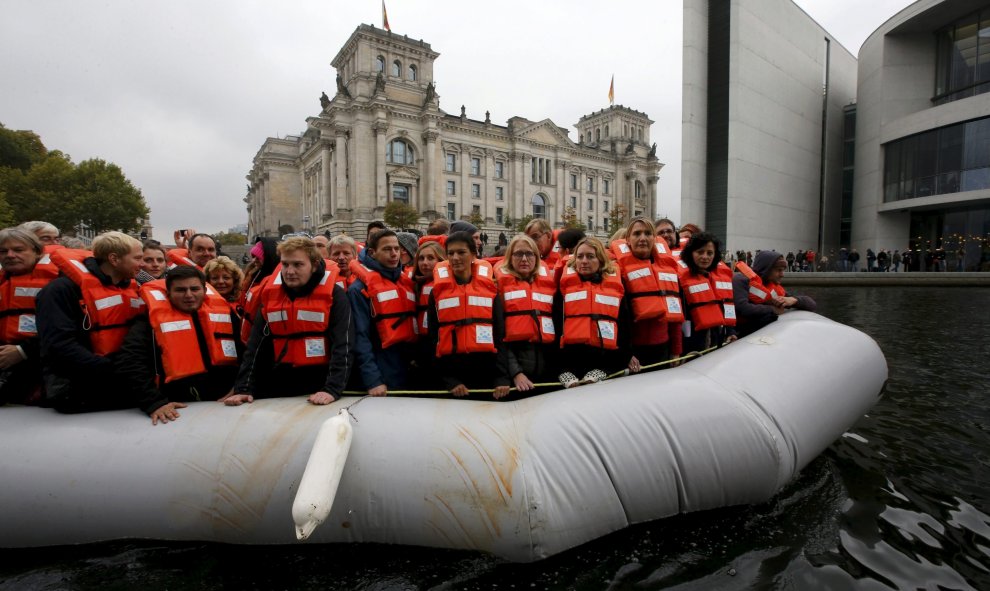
(83, 318)
(47, 233)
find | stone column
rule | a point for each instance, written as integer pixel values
(651, 204)
(340, 155)
(325, 207)
(429, 198)
(515, 198)
(464, 191)
(381, 189)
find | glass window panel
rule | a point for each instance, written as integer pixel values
(892, 171)
(977, 144)
(964, 52)
(950, 148)
(396, 69)
(475, 166)
(400, 193)
(976, 179)
(926, 164)
(943, 61)
(411, 74)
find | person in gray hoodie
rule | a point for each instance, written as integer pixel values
(750, 317)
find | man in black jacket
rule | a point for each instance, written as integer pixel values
(263, 374)
(139, 362)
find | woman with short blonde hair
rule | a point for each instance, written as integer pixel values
(230, 286)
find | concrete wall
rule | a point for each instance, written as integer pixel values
(694, 120)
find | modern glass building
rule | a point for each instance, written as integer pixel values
(922, 138)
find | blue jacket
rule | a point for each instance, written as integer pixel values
(377, 366)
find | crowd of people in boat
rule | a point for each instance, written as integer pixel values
(125, 324)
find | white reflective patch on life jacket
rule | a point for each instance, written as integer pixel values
(725, 285)
(326, 275)
(480, 301)
(277, 316)
(698, 288)
(514, 295)
(136, 302)
(682, 264)
(638, 274)
(448, 303)
(546, 324)
(229, 348)
(606, 300)
(623, 248)
(730, 311)
(758, 292)
(442, 272)
(483, 334)
(543, 297)
(26, 324)
(661, 248)
(482, 271)
(250, 296)
(209, 290)
(45, 260)
(428, 290)
(575, 296)
(310, 316)
(410, 296)
(316, 347)
(175, 325)
(80, 266)
(606, 329)
(109, 302)
(387, 295)
(673, 305)
(667, 277)
(222, 318)
(278, 279)
(26, 292)
(157, 295)
(676, 253)
(543, 270)
(340, 284)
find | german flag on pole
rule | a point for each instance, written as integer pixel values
(385, 18)
(611, 91)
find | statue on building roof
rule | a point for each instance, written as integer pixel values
(488, 116)
(341, 89)
(379, 83)
(653, 150)
(629, 148)
(431, 94)
(324, 100)
(463, 112)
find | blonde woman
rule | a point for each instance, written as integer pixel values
(225, 276)
(524, 321)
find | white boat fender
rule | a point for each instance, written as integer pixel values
(320, 479)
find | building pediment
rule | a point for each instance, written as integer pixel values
(544, 132)
(402, 173)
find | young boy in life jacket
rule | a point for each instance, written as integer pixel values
(21, 279)
(83, 318)
(383, 308)
(300, 341)
(759, 296)
(186, 348)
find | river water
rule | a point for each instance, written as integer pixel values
(899, 502)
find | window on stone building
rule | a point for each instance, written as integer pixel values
(499, 215)
(412, 74)
(591, 224)
(451, 188)
(598, 134)
(606, 132)
(605, 225)
(380, 64)
(476, 166)
(475, 211)
(591, 184)
(605, 206)
(451, 211)
(573, 201)
(605, 186)
(499, 170)
(396, 68)
(476, 191)
(591, 205)
(499, 193)
(539, 205)
(451, 162)
(400, 193)
(574, 180)
(639, 189)
(399, 152)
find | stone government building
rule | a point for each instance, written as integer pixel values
(383, 137)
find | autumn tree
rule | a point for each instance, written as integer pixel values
(399, 214)
(570, 219)
(522, 222)
(617, 218)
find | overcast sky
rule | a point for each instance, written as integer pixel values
(182, 94)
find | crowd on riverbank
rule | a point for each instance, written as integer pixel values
(881, 261)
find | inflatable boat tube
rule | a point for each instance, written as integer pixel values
(523, 480)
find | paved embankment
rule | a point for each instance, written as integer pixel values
(947, 279)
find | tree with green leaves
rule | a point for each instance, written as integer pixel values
(20, 149)
(476, 219)
(570, 219)
(104, 199)
(617, 218)
(399, 214)
(522, 222)
(233, 239)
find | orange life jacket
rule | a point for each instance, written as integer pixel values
(176, 335)
(423, 291)
(528, 306)
(393, 304)
(17, 302)
(439, 239)
(591, 310)
(108, 310)
(709, 299)
(759, 292)
(180, 257)
(651, 286)
(345, 282)
(299, 327)
(45, 262)
(464, 312)
(681, 243)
